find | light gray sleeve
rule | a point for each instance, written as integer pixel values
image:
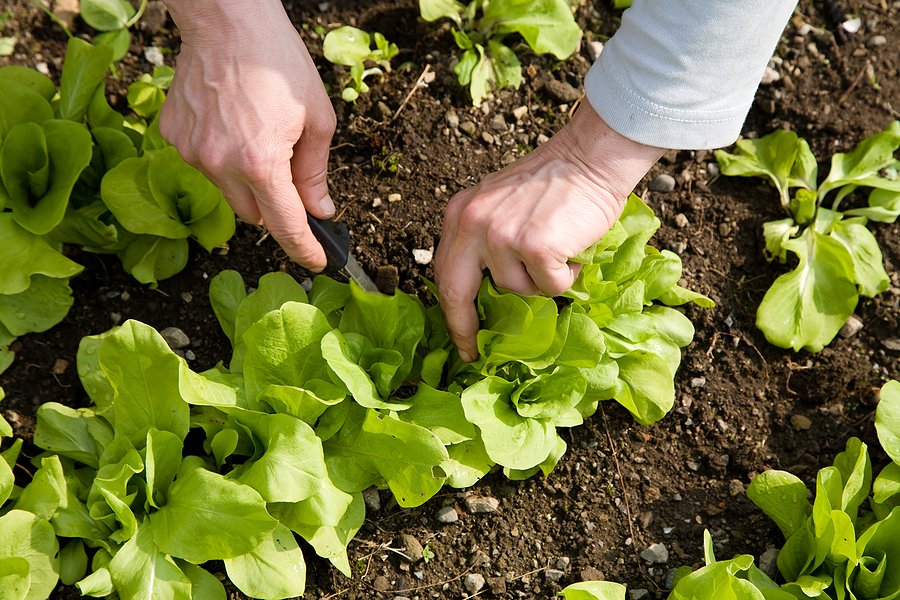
(682, 73)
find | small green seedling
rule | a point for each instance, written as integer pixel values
(487, 61)
(351, 47)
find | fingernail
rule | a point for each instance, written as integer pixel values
(466, 356)
(327, 206)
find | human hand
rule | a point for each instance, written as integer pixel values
(248, 108)
(524, 222)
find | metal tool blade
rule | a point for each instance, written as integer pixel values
(355, 272)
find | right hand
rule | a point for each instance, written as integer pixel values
(248, 108)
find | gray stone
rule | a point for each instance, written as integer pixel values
(770, 76)
(498, 123)
(520, 112)
(595, 48)
(638, 594)
(656, 554)
(473, 583)
(681, 221)
(411, 547)
(851, 327)
(481, 504)
(554, 575)
(446, 515)
(768, 562)
(175, 338)
(876, 40)
(452, 119)
(563, 563)
(562, 91)
(892, 344)
(662, 183)
(372, 499)
(541, 138)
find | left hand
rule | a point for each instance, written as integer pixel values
(524, 222)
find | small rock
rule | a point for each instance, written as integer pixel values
(384, 110)
(395, 197)
(591, 574)
(423, 256)
(59, 366)
(66, 11)
(189, 354)
(800, 423)
(770, 76)
(381, 584)
(662, 183)
(679, 247)
(452, 119)
(681, 221)
(508, 158)
(376, 202)
(154, 18)
(497, 585)
(554, 575)
(446, 515)
(186, 296)
(725, 229)
(154, 56)
(43, 68)
(487, 137)
(498, 123)
(411, 547)
(712, 169)
(851, 327)
(481, 504)
(768, 562)
(469, 128)
(520, 112)
(892, 344)
(126, 296)
(698, 382)
(736, 487)
(656, 554)
(372, 499)
(639, 594)
(175, 338)
(595, 49)
(562, 91)
(541, 138)
(563, 563)
(852, 25)
(876, 40)
(473, 583)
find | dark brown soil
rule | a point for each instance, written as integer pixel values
(743, 406)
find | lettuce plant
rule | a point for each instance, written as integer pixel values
(113, 19)
(838, 257)
(351, 47)
(481, 28)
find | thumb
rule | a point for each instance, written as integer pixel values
(309, 168)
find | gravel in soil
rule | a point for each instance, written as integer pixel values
(627, 503)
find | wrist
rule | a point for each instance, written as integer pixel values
(613, 160)
(202, 22)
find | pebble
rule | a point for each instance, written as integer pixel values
(554, 575)
(487, 137)
(876, 40)
(452, 119)
(656, 554)
(768, 562)
(852, 25)
(670, 578)
(851, 327)
(594, 50)
(562, 91)
(891, 344)
(498, 123)
(770, 76)
(800, 423)
(473, 583)
(372, 499)
(395, 197)
(411, 547)
(189, 355)
(508, 158)
(381, 584)
(698, 382)
(154, 56)
(662, 183)
(469, 128)
(446, 515)
(43, 68)
(154, 18)
(541, 138)
(681, 221)
(736, 487)
(712, 169)
(423, 256)
(481, 504)
(175, 338)
(638, 594)
(520, 112)
(497, 586)
(563, 563)
(376, 202)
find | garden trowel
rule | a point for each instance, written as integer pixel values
(335, 240)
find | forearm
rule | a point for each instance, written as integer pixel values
(224, 21)
(683, 74)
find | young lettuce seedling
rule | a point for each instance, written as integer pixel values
(487, 61)
(839, 258)
(351, 47)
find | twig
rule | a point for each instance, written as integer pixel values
(415, 86)
(855, 83)
(615, 455)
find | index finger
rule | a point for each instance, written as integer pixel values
(458, 282)
(285, 217)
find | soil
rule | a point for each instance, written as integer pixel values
(743, 406)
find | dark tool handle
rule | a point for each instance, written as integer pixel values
(335, 239)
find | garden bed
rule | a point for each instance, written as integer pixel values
(742, 405)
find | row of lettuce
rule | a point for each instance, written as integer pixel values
(75, 171)
(325, 394)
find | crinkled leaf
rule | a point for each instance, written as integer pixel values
(547, 25)
(27, 536)
(208, 517)
(343, 362)
(441, 412)
(44, 304)
(782, 497)
(807, 307)
(861, 165)
(868, 263)
(770, 156)
(150, 258)
(15, 578)
(78, 434)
